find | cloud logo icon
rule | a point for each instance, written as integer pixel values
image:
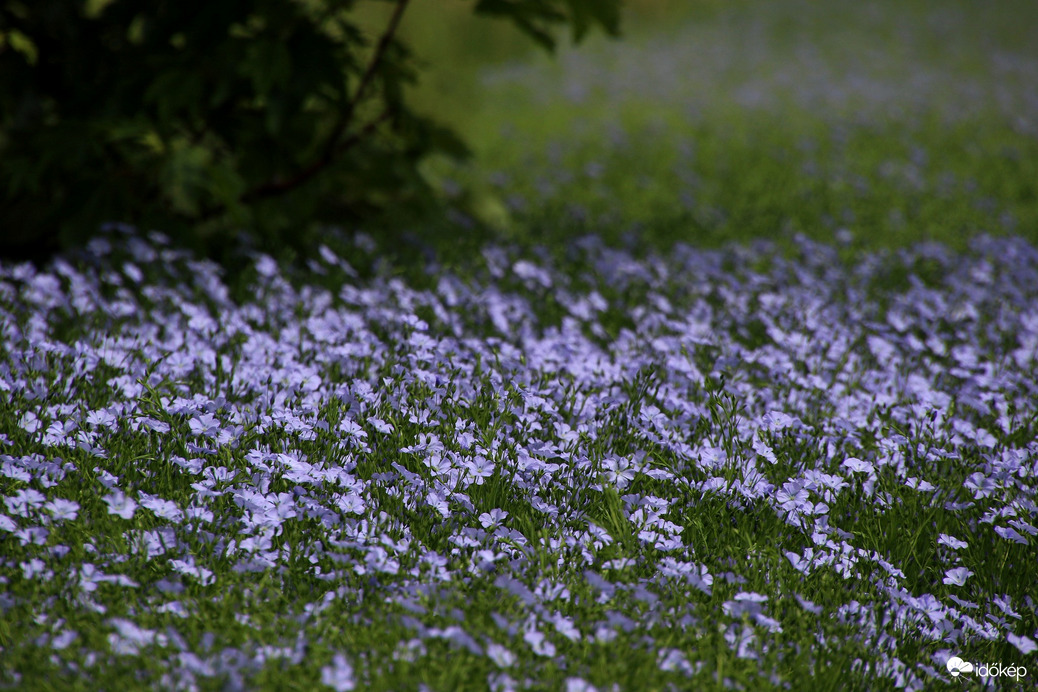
(957, 666)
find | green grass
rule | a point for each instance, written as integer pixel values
(325, 585)
(729, 126)
(902, 122)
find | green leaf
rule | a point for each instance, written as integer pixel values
(267, 64)
(184, 174)
(19, 43)
(584, 13)
(174, 93)
(225, 184)
(533, 17)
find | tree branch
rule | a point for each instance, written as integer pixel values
(376, 59)
(333, 147)
(274, 188)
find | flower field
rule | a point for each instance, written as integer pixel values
(731, 387)
(710, 468)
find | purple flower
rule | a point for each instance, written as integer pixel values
(957, 576)
(1005, 604)
(763, 449)
(352, 428)
(743, 642)
(501, 656)
(24, 501)
(338, 675)
(951, 541)
(981, 485)
(531, 274)
(29, 422)
(673, 660)
(794, 499)
(1010, 535)
(744, 603)
(266, 266)
(351, 503)
(62, 509)
(89, 576)
(205, 424)
(800, 564)
(158, 426)
(929, 606)
(1024, 644)
(439, 463)
(62, 641)
(501, 682)
(808, 605)
(855, 465)
(538, 642)
(479, 468)
(380, 425)
(162, 508)
(579, 685)
(120, 504)
(619, 471)
(777, 420)
(189, 568)
(485, 558)
(129, 638)
(919, 484)
(565, 627)
(1023, 526)
(35, 567)
(493, 518)
(58, 432)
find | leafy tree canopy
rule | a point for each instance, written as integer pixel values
(207, 118)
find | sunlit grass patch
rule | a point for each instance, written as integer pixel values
(898, 122)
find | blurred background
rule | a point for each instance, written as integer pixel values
(876, 124)
(887, 122)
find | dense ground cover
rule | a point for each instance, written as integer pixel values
(705, 467)
(606, 447)
(903, 122)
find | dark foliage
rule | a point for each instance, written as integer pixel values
(210, 118)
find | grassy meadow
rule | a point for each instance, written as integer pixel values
(719, 373)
